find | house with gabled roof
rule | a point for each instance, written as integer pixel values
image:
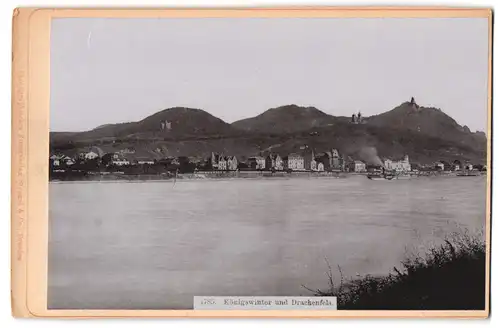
(256, 162)
(274, 162)
(232, 163)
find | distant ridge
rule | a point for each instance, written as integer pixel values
(424, 133)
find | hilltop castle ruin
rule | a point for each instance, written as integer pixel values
(166, 125)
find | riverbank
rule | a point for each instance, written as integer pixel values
(117, 176)
(449, 277)
(111, 176)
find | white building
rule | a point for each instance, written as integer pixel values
(222, 163)
(232, 163)
(119, 160)
(294, 162)
(399, 166)
(90, 155)
(358, 166)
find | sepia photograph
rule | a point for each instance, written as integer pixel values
(270, 158)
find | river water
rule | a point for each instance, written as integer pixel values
(154, 245)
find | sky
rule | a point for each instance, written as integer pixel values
(112, 70)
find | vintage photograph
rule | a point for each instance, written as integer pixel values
(328, 157)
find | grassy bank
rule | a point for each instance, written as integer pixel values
(449, 277)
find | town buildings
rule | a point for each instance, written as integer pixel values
(60, 160)
(304, 160)
(223, 163)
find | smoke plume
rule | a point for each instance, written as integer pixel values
(370, 156)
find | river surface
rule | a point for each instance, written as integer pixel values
(154, 245)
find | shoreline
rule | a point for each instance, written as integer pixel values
(215, 175)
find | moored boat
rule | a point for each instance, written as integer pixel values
(468, 173)
(380, 175)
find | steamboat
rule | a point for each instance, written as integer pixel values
(387, 175)
(382, 175)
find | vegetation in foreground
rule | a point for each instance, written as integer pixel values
(449, 277)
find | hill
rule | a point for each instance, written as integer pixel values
(425, 134)
(349, 139)
(182, 122)
(286, 119)
(428, 121)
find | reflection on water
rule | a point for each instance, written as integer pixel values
(153, 245)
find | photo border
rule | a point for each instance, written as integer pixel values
(30, 149)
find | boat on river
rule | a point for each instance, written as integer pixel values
(388, 175)
(381, 175)
(467, 173)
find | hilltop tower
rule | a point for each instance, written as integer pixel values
(413, 103)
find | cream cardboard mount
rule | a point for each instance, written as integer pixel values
(30, 149)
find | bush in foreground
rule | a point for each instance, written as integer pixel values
(449, 277)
